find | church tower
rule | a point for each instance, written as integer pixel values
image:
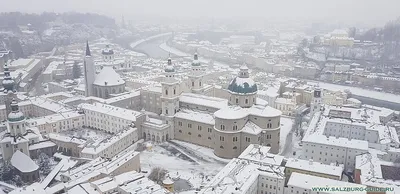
(9, 88)
(17, 138)
(170, 96)
(90, 73)
(196, 75)
(316, 101)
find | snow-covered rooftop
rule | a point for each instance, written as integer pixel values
(108, 77)
(98, 147)
(40, 145)
(202, 100)
(260, 154)
(202, 117)
(309, 182)
(111, 111)
(129, 182)
(23, 163)
(312, 166)
(235, 112)
(372, 174)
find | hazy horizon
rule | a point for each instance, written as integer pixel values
(369, 12)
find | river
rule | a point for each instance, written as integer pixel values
(152, 48)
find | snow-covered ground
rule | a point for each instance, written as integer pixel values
(202, 152)
(197, 173)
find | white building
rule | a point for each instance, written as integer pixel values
(128, 182)
(110, 118)
(110, 147)
(19, 136)
(307, 184)
(338, 135)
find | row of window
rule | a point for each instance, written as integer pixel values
(198, 127)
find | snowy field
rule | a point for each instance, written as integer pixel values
(87, 133)
(179, 165)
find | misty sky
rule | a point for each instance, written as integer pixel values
(373, 12)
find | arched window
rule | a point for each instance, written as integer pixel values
(199, 135)
(166, 92)
(199, 83)
(235, 148)
(174, 91)
(192, 84)
(237, 100)
(247, 101)
(222, 147)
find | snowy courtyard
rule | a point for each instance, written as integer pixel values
(86, 133)
(187, 172)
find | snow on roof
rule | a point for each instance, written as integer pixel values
(35, 188)
(108, 77)
(118, 98)
(262, 102)
(48, 104)
(23, 163)
(40, 145)
(54, 118)
(107, 143)
(129, 182)
(312, 166)
(260, 154)
(252, 128)
(98, 166)
(240, 174)
(337, 142)
(309, 182)
(236, 112)
(67, 139)
(112, 111)
(203, 100)
(371, 173)
(202, 117)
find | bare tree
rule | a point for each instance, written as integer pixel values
(158, 174)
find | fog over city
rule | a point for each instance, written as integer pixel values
(372, 12)
(199, 96)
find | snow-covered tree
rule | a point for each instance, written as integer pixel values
(76, 70)
(157, 174)
(44, 163)
(17, 180)
(6, 171)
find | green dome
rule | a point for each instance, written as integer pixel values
(242, 86)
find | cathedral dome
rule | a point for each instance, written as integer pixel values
(243, 84)
(15, 115)
(108, 77)
(196, 61)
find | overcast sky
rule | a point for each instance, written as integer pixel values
(373, 12)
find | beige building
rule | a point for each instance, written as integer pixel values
(227, 126)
